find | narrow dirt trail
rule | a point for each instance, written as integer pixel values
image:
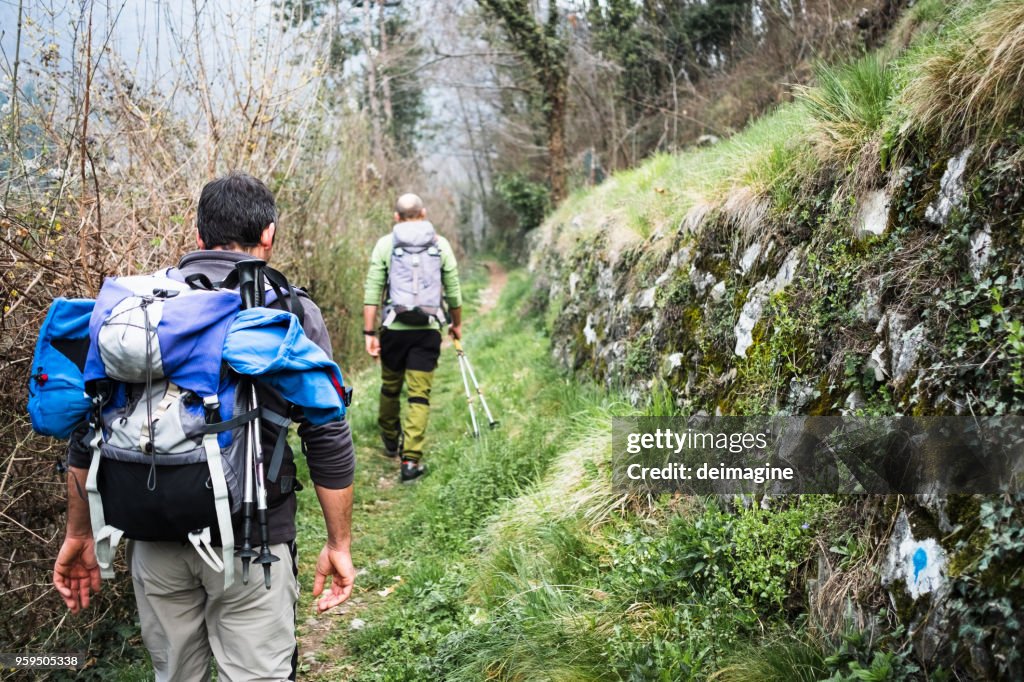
(498, 278)
(322, 637)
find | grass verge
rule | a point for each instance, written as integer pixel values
(516, 560)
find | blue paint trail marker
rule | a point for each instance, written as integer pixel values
(920, 561)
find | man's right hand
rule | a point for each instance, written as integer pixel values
(373, 346)
(334, 571)
(76, 573)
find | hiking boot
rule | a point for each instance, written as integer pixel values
(392, 447)
(411, 470)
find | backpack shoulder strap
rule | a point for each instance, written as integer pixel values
(283, 290)
(285, 293)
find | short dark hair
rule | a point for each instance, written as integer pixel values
(234, 209)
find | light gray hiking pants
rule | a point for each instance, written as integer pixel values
(187, 615)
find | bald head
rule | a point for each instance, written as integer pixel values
(409, 207)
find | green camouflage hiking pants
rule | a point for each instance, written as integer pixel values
(407, 357)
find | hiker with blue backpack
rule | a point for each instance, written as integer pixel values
(412, 274)
(191, 376)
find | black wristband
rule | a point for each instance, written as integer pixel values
(372, 332)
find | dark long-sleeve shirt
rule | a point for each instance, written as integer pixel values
(328, 448)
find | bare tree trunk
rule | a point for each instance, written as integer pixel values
(371, 86)
(87, 240)
(213, 134)
(557, 100)
(547, 53)
(15, 114)
(385, 79)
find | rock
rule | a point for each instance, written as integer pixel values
(357, 624)
(574, 279)
(749, 258)
(951, 189)
(919, 566)
(876, 362)
(670, 269)
(905, 352)
(707, 140)
(800, 393)
(606, 283)
(787, 272)
(753, 307)
(701, 280)
(869, 307)
(646, 298)
(853, 402)
(873, 217)
(718, 291)
(980, 252)
(750, 315)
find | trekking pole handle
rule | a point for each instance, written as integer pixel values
(250, 281)
(458, 346)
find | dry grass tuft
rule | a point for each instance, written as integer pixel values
(974, 80)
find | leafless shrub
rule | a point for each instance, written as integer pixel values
(99, 171)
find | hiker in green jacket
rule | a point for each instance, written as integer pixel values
(411, 270)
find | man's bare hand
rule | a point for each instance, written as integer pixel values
(373, 346)
(76, 573)
(333, 565)
(456, 331)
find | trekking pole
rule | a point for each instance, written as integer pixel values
(250, 286)
(245, 552)
(465, 382)
(483, 401)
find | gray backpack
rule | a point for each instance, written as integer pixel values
(414, 289)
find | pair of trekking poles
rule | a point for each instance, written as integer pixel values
(251, 290)
(466, 368)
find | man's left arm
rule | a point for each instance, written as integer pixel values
(330, 455)
(452, 287)
(335, 560)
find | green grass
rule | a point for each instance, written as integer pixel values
(427, 532)
(515, 559)
(848, 104)
(659, 193)
(786, 658)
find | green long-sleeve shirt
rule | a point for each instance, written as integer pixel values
(377, 277)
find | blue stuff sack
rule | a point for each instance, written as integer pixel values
(57, 401)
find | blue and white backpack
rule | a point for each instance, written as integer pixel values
(165, 388)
